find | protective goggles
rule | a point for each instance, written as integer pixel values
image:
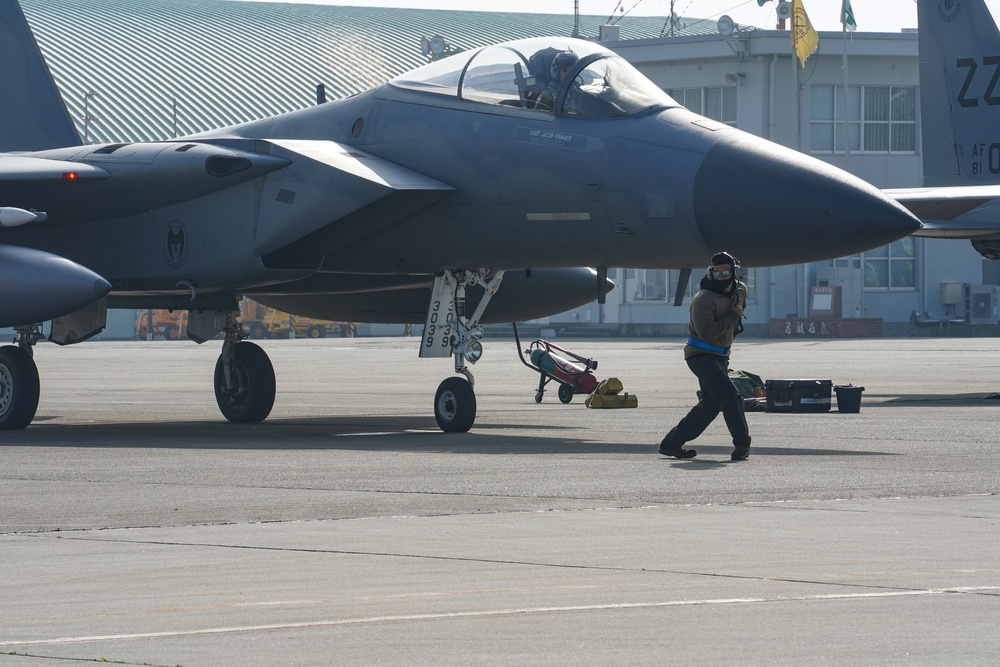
(725, 273)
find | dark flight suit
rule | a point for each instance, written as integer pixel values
(711, 332)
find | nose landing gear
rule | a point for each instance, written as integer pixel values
(448, 332)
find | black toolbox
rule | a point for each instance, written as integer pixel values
(798, 395)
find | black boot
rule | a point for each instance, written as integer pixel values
(677, 452)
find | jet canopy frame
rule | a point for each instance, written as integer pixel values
(518, 74)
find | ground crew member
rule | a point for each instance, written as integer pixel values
(716, 319)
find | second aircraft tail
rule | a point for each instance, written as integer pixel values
(959, 92)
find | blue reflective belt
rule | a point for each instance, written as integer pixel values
(700, 344)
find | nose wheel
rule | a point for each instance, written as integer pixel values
(455, 405)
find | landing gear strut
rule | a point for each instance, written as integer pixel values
(19, 385)
(448, 332)
(244, 377)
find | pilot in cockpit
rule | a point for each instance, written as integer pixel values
(562, 63)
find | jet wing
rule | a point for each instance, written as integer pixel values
(953, 212)
(959, 229)
(341, 194)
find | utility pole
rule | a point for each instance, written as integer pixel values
(86, 115)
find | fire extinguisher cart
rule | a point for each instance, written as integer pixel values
(553, 363)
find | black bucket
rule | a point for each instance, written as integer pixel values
(848, 397)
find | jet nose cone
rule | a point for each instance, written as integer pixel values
(771, 205)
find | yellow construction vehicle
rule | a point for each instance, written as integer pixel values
(261, 321)
(168, 324)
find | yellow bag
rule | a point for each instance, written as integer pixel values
(625, 400)
(610, 386)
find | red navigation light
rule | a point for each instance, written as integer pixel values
(70, 175)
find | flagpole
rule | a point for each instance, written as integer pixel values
(847, 124)
(805, 41)
(795, 100)
(795, 86)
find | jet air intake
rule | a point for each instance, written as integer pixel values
(40, 286)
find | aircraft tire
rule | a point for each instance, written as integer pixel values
(19, 388)
(252, 398)
(455, 405)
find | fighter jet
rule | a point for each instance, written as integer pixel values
(465, 192)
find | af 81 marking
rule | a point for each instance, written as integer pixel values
(988, 159)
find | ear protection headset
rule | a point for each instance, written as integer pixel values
(726, 258)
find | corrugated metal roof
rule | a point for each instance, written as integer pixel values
(229, 62)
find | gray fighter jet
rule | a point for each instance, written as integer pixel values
(410, 203)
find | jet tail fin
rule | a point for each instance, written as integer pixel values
(33, 115)
(959, 92)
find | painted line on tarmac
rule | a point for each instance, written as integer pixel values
(498, 612)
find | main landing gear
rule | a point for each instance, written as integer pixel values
(244, 377)
(448, 332)
(19, 386)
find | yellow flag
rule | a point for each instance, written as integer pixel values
(804, 37)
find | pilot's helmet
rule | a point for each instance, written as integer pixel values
(561, 60)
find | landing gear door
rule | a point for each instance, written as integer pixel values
(205, 325)
(439, 329)
(80, 325)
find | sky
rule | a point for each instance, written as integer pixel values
(871, 15)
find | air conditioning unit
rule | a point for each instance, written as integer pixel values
(609, 33)
(982, 304)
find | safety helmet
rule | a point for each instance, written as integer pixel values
(560, 60)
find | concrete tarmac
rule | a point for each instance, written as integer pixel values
(138, 527)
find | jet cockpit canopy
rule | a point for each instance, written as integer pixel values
(520, 74)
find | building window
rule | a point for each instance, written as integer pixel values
(889, 267)
(716, 103)
(881, 119)
(645, 285)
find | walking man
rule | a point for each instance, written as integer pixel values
(716, 318)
